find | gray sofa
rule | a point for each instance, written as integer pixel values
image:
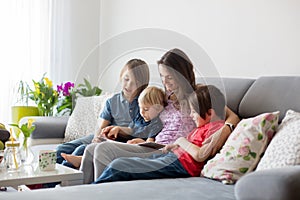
(247, 98)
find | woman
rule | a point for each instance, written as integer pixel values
(177, 74)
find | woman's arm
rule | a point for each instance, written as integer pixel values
(199, 154)
(219, 138)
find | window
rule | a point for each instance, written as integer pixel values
(24, 46)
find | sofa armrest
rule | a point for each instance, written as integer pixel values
(48, 129)
(281, 183)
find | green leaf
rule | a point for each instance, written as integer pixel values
(243, 170)
(253, 154)
(263, 123)
(260, 136)
(15, 125)
(87, 84)
(87, 90)
(246, 157)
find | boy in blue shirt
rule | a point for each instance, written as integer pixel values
(121, 109)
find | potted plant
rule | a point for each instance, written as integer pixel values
(22, 108)
(68, 94)
(44, 96)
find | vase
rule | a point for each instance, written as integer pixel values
(45, 111)
(17, 112)
(26, 153)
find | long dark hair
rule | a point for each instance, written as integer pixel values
(182, 69)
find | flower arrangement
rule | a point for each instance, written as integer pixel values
(66, 94)
(44, 96)
(63, 97)
(26, 128)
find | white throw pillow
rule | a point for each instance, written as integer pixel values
(85, 117)
(243, 149)
(284, 149)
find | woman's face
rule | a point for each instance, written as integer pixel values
(129, 84)
(167, 78)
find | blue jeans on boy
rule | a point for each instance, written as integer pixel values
(74, 147)
(134, 168)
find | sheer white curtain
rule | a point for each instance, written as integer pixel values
(61, 54)
(24, 47)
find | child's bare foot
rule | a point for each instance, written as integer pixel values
(74, 160)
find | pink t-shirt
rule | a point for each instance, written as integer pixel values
(175, 124)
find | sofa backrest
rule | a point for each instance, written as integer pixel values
(271, 93)
(234, 89)
(250, 97)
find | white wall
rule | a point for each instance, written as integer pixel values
(248, 38)
(76, 37)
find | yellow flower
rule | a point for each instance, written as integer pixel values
(37, 88)
(44, 95)
(29, 122)
(26, 128)
(48, 82)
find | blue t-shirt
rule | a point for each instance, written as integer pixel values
(142, 129)
(119, 111)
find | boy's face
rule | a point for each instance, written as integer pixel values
(199, 121)
(129, 85)
(149, 112)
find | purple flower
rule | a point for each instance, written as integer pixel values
(59, 88)
(65, 88)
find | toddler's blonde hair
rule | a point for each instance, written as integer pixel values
(153, 95)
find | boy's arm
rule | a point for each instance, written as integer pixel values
(103, 123)
(199, 154)
(219, 138)
(119, 131)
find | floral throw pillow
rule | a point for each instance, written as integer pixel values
(85, 120)
(243, 149)
(284, 149)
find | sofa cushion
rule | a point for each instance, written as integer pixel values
(85, 118)
(269, 94)
(243, 149)
(193, 188)
(284, 149)
(272, 184)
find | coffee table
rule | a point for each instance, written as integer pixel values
(28, 175)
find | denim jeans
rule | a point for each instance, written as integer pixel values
(75, 147)
(134, 168)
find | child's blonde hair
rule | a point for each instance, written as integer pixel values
(140, 71)
(153, 96)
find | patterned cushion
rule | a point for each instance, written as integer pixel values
(243, 149)
(284, 149)
(85, 117)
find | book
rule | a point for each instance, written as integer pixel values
(151, 145)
